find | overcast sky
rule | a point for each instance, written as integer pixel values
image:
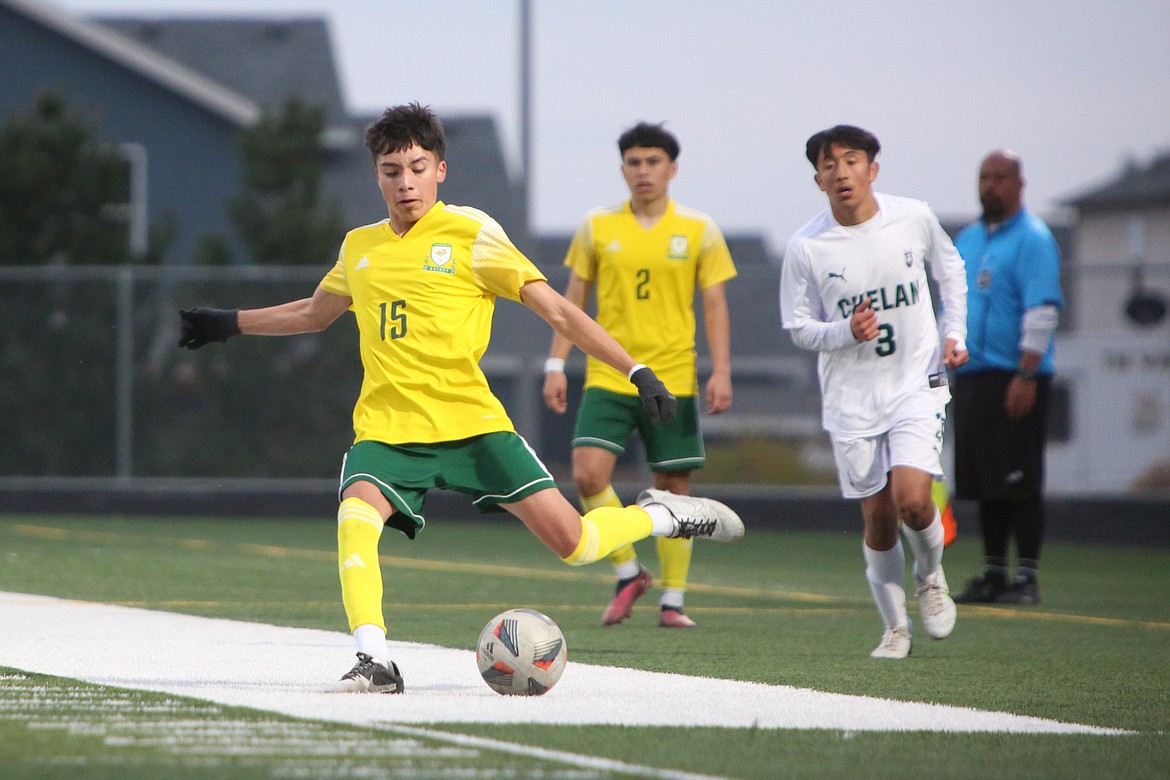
(1078, 87)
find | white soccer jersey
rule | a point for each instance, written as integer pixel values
(866, 387)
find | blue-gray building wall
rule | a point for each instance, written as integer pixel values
(193, 165)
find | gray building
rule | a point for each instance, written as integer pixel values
(1113, 359)
(177, 94)
(1123, 249)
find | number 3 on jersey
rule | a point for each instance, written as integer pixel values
(885, 341)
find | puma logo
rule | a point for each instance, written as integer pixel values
(840, 276)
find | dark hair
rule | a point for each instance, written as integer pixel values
(401, 127)
(847, 135)
(649, 136)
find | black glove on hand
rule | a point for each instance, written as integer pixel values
(660, 405)
(202, 325)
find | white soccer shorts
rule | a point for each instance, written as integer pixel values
(863, 464)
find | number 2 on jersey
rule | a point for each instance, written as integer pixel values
(642, 290)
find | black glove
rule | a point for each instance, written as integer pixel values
(660, 405)
(202, 325)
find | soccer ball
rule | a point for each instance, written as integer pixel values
(521, 653)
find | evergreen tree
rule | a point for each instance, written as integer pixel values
(62, 193)
(280, 216)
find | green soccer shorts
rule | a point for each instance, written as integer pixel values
(606, 419)
(495, 468)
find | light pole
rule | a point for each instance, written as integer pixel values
(137, 213)
(526, 116)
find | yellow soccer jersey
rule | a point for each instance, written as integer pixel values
(645, 283)
(424, 305)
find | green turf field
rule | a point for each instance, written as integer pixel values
(779, 608)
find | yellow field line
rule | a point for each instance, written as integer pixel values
(165, 604)
(419, 564)
(1057, 617)
(424, 564)
(503, 570)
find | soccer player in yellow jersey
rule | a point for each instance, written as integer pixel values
(645, 257)
(422, 286)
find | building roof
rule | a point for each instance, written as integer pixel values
(266, 59)
(1137, 185)
(144, 60)
(270, 59)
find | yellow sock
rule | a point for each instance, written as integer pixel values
(359, 527)
(607, 528)
(609, 497)
(674, 556)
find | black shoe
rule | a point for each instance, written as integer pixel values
(1023, 590)
(369, 675)
(984, 589)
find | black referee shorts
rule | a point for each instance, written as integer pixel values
(997, 458)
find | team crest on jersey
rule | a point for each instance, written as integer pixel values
(908, 256)
(679, 248)
(440, 259)
(984, 279)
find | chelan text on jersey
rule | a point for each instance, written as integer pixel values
(905, 294)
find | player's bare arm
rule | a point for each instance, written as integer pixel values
(555, 390)
(863, 323)
(203, 325)
(571, 322)
(307, 315)
(582, 330)
(717, 323)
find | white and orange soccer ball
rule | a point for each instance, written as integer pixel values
(521, 652)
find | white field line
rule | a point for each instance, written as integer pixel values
(282, 670)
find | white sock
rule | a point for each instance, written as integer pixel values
(672, 597)
(885, 572)
(662, 519)
(927, 546)
(371, 640)
(627, 570)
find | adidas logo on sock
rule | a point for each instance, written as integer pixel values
(353, 560)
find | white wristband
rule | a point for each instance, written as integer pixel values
(554, 365)
(634, 370)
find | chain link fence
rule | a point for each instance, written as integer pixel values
(94, 385)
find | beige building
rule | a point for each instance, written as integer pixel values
(1113, 356)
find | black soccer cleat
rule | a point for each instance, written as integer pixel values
(369, 675)
(984, 589)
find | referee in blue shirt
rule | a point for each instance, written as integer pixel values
(1001, 396)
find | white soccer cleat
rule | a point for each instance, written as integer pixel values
(936, 606)
(695, 516)
(895, 643)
